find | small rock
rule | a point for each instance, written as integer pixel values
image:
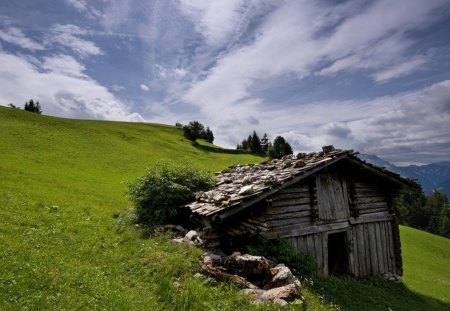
(191, 235)
(178, 240)
(212, 259)
(220, 197)
(288, 292)
(298, 164)
(246, 190)
(247, 180)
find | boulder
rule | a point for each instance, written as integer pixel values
(288, 292)
(281, 275)
(256, 269)
(212, 259)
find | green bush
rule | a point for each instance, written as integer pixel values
(159, 194)
(280, 251)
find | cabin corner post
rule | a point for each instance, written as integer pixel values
(397, 246)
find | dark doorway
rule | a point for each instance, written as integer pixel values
(337, 253)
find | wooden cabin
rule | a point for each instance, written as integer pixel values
(329, 204)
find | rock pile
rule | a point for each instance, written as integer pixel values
(261, 280)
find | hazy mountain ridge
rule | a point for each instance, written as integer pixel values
(434, 176)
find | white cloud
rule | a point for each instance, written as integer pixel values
(117, 88)
(407, 127)
(65, 65)
(15, 36)
(62, 89)
(83, 7)
(215, 20)
(400, 70)
(69, 36)
(144, 87)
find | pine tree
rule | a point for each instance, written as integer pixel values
(32, 107)
(255, 143)
(265, 142)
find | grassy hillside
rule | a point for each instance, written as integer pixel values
(61, 184)
(426, 258)
(66, 243)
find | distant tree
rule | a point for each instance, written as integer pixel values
(265, 142)
(255, 143)
(178, 124)
(33, 107)
(208, 135)
(280, 148)
(13, 106)
(193, 130)
(430, 213)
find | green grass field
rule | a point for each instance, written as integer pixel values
(66, 242)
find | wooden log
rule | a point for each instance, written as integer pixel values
(371, 217)
(291, 202)
(295, 189)
(364, 212)
(257, 222)
(374, 199)
(302, 214)
(290, 196)
(363, 206)
(298, 221)
(287, 209)
(305, 229)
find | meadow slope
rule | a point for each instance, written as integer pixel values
(67, 244)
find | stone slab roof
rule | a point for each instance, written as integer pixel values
(240, 186)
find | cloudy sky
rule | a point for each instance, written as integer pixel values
(368, 75)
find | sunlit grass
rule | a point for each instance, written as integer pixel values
(63, 246)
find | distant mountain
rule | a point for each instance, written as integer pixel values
(435, 176)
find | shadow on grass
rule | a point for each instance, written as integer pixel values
(372, 294)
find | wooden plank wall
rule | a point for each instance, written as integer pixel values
(373, 249)
(290, 206)
(314, 245)
(370, 199)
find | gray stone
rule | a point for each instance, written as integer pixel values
(287, 293)
(246, 190)
(191, 235)
(212, 259)
(255, 269)
(282, 275)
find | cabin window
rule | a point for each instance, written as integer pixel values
(337, 253)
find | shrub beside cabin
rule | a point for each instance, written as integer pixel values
(329, 204)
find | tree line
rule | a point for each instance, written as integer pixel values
(428, 213)
(275, 150)
(195, 130)
(30, 106)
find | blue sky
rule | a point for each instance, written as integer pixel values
(368, 75)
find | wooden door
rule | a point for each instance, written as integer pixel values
(332, 197)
